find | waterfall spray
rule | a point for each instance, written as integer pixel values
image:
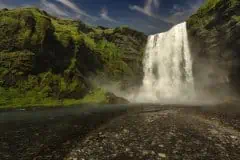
(167, 67)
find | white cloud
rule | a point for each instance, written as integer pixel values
(53, 9)
(70, 5)
(148, 8)
(180, 13)
(176, 15)
(104, 15)
(76, 9)
(66, 8)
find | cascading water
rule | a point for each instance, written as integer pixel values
(167, 67)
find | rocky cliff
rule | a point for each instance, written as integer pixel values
(47, 60)
(214, 33)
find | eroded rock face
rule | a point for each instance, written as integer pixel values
(214, 33)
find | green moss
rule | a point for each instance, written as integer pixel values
(208, 5)
(236, 18)
(27, 26)
(14, 98)
(15, 64)
(108, 50)
(96, 96)
(89, 42)
(65, 31)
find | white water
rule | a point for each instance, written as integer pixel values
(167, 67)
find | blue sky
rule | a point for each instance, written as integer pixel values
(149, 16)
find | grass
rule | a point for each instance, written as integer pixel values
(65, 31)
(13, 98)
(208, 5)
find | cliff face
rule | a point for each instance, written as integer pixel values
(46, 58)
(214, 33)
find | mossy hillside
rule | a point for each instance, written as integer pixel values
(214, 32)
(53, 57)
(214, 14)
(130, 46)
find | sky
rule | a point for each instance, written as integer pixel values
(148, 16)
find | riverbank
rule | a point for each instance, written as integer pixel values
(136, 131)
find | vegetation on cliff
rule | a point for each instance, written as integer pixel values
(215, 35)
(45, 60)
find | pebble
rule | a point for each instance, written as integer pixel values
(135, 145)
(213, 131)
(125, 131)
(161, 145)
(162, 155)
(153, 143)
(114, 155)
(144, 153)
(233, 137)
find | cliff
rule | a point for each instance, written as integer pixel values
(214, 33)
(45, 60)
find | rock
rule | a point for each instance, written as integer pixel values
(145, 152)
(161, 145)
(214, 37)
(125, 131)
(113, 99)
(233, 137)
(212, 131)
(127, 149)
(162, 155)
(153, 153)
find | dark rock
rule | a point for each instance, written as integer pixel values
(113, 99)
(214, 33)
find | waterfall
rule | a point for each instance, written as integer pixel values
(167, 67)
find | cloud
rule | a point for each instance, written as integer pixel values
(181, 13)
(53, 9)
(75, 8)
(68, 9)
(176, 15)
(71, 5)
(148, 8)
(104, 15)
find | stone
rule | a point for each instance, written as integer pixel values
(162, 155)
(233, 137)
(145, 152)
(161, 145)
